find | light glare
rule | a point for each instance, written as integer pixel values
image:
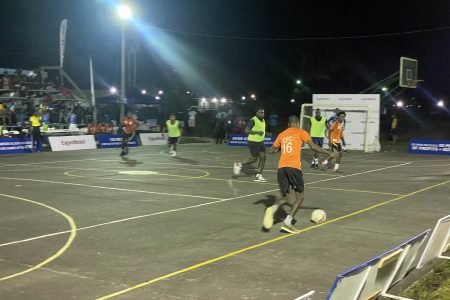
(124, 12)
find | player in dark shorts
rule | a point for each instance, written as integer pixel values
(256, 130)
(290, 174)
(336, 133)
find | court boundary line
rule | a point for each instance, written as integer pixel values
(108, 188)
(234, 253)
(172, 210)
(67, 244)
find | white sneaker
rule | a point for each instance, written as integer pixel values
(260, 178)
(268, 218)
(173, 153)
(237, 168)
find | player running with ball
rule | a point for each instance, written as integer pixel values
(290, 172)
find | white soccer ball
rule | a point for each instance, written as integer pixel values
(318, 216)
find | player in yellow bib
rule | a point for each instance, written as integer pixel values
(318, 127)
(174, 132)
(256, 130)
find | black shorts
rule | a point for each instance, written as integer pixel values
(290, 178)
(173, 140)
(336, 147)
(256, 148)
(318, 141)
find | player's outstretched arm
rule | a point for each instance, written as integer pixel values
(273, 149)
(315, 147)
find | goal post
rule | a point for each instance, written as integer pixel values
(357, 132)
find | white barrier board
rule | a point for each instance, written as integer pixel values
(438, 242)
(67, 143)
(148, 139)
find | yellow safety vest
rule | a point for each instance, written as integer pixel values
(318, 127)
(259, 126)
(173, 129)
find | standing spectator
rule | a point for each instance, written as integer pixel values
(273, 121)
(73, 121)
(219, 130)
(88, 115)
(229, 125)
(393, 129)
(35, 129)
(239, 125)
(192, 114)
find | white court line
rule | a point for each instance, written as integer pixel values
(108, 188)
(48, 162)
(184, 208)
(159, 163)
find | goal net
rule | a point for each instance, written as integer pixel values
(358, 132)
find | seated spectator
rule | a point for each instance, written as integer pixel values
(109, 128)
(6, 81)
(91, 128)
(101, 128)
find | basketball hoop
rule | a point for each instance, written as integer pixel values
(412, 83)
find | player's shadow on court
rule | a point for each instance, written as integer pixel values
(130, 162)
(186, 160)
(245, 173)
(281, 213)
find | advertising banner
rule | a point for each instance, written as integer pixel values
(15, 145)
(429, 147)
(73, 142)
(150, 139)
(114, 141)
(241, 140)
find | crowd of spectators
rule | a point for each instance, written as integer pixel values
(23, 94)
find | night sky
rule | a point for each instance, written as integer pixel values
(228, 48)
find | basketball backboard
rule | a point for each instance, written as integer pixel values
(408, 72)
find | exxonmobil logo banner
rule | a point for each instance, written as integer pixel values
(74, 142)
(153, 138)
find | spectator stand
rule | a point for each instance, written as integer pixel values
(22, 92)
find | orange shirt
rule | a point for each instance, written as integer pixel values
(129, 124)
(291, 141)
(336, 131)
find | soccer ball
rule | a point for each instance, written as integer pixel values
(318, 216)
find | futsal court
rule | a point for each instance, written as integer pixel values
(88, 225)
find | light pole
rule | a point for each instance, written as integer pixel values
(124, 13)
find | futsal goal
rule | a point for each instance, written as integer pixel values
(361, 128)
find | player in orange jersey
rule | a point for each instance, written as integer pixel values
(290, 172)
(130, 124)
(335, 138)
